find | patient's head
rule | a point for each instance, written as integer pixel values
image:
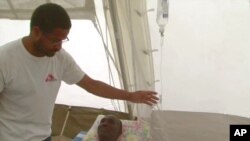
(110, 128)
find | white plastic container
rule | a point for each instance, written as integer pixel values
(162, 15)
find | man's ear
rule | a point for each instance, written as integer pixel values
(36, 33)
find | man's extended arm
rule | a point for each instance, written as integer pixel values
(104, 90)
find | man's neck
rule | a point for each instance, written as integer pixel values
(29, 46)
(27, 43)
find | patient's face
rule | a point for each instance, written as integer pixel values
(110, 128)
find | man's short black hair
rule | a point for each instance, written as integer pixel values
(50, 16)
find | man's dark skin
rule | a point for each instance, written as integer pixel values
(110, 128)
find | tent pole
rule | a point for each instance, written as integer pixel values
(113, 14)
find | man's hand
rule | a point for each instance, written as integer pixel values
(147, 97)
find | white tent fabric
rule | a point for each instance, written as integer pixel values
(204, 62)
(205, 56)
(205, 53)
(203, 65)
(133, 46)
(77, 9)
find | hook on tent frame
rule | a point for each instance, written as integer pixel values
(144, 12)
(151, 83)
(149, 51)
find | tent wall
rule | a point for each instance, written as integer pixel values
(77, 9)
(206, 52)
(206, 61)
(130, 38)
(130, 26)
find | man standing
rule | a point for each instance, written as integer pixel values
(31, 71)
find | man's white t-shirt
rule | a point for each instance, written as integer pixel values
(28, 90)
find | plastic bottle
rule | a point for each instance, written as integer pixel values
(162, 15)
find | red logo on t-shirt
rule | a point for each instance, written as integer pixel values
(50, 77)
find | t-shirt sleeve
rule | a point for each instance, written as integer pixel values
(72, 73)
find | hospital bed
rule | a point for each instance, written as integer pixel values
(133, 130)
(175, 126)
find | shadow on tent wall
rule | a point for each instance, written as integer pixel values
(79, 119)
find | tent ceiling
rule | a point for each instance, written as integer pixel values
(22, 9)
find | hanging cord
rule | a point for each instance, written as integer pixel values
(161, 20)
(111, 81)
(161, 76)
(159, 105)
(116, 105)
(65, 121)
(111, 78)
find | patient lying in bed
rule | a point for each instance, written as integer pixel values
(128, 130)
(109, 128)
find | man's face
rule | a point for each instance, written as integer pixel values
(110, 127)
(49, 43)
